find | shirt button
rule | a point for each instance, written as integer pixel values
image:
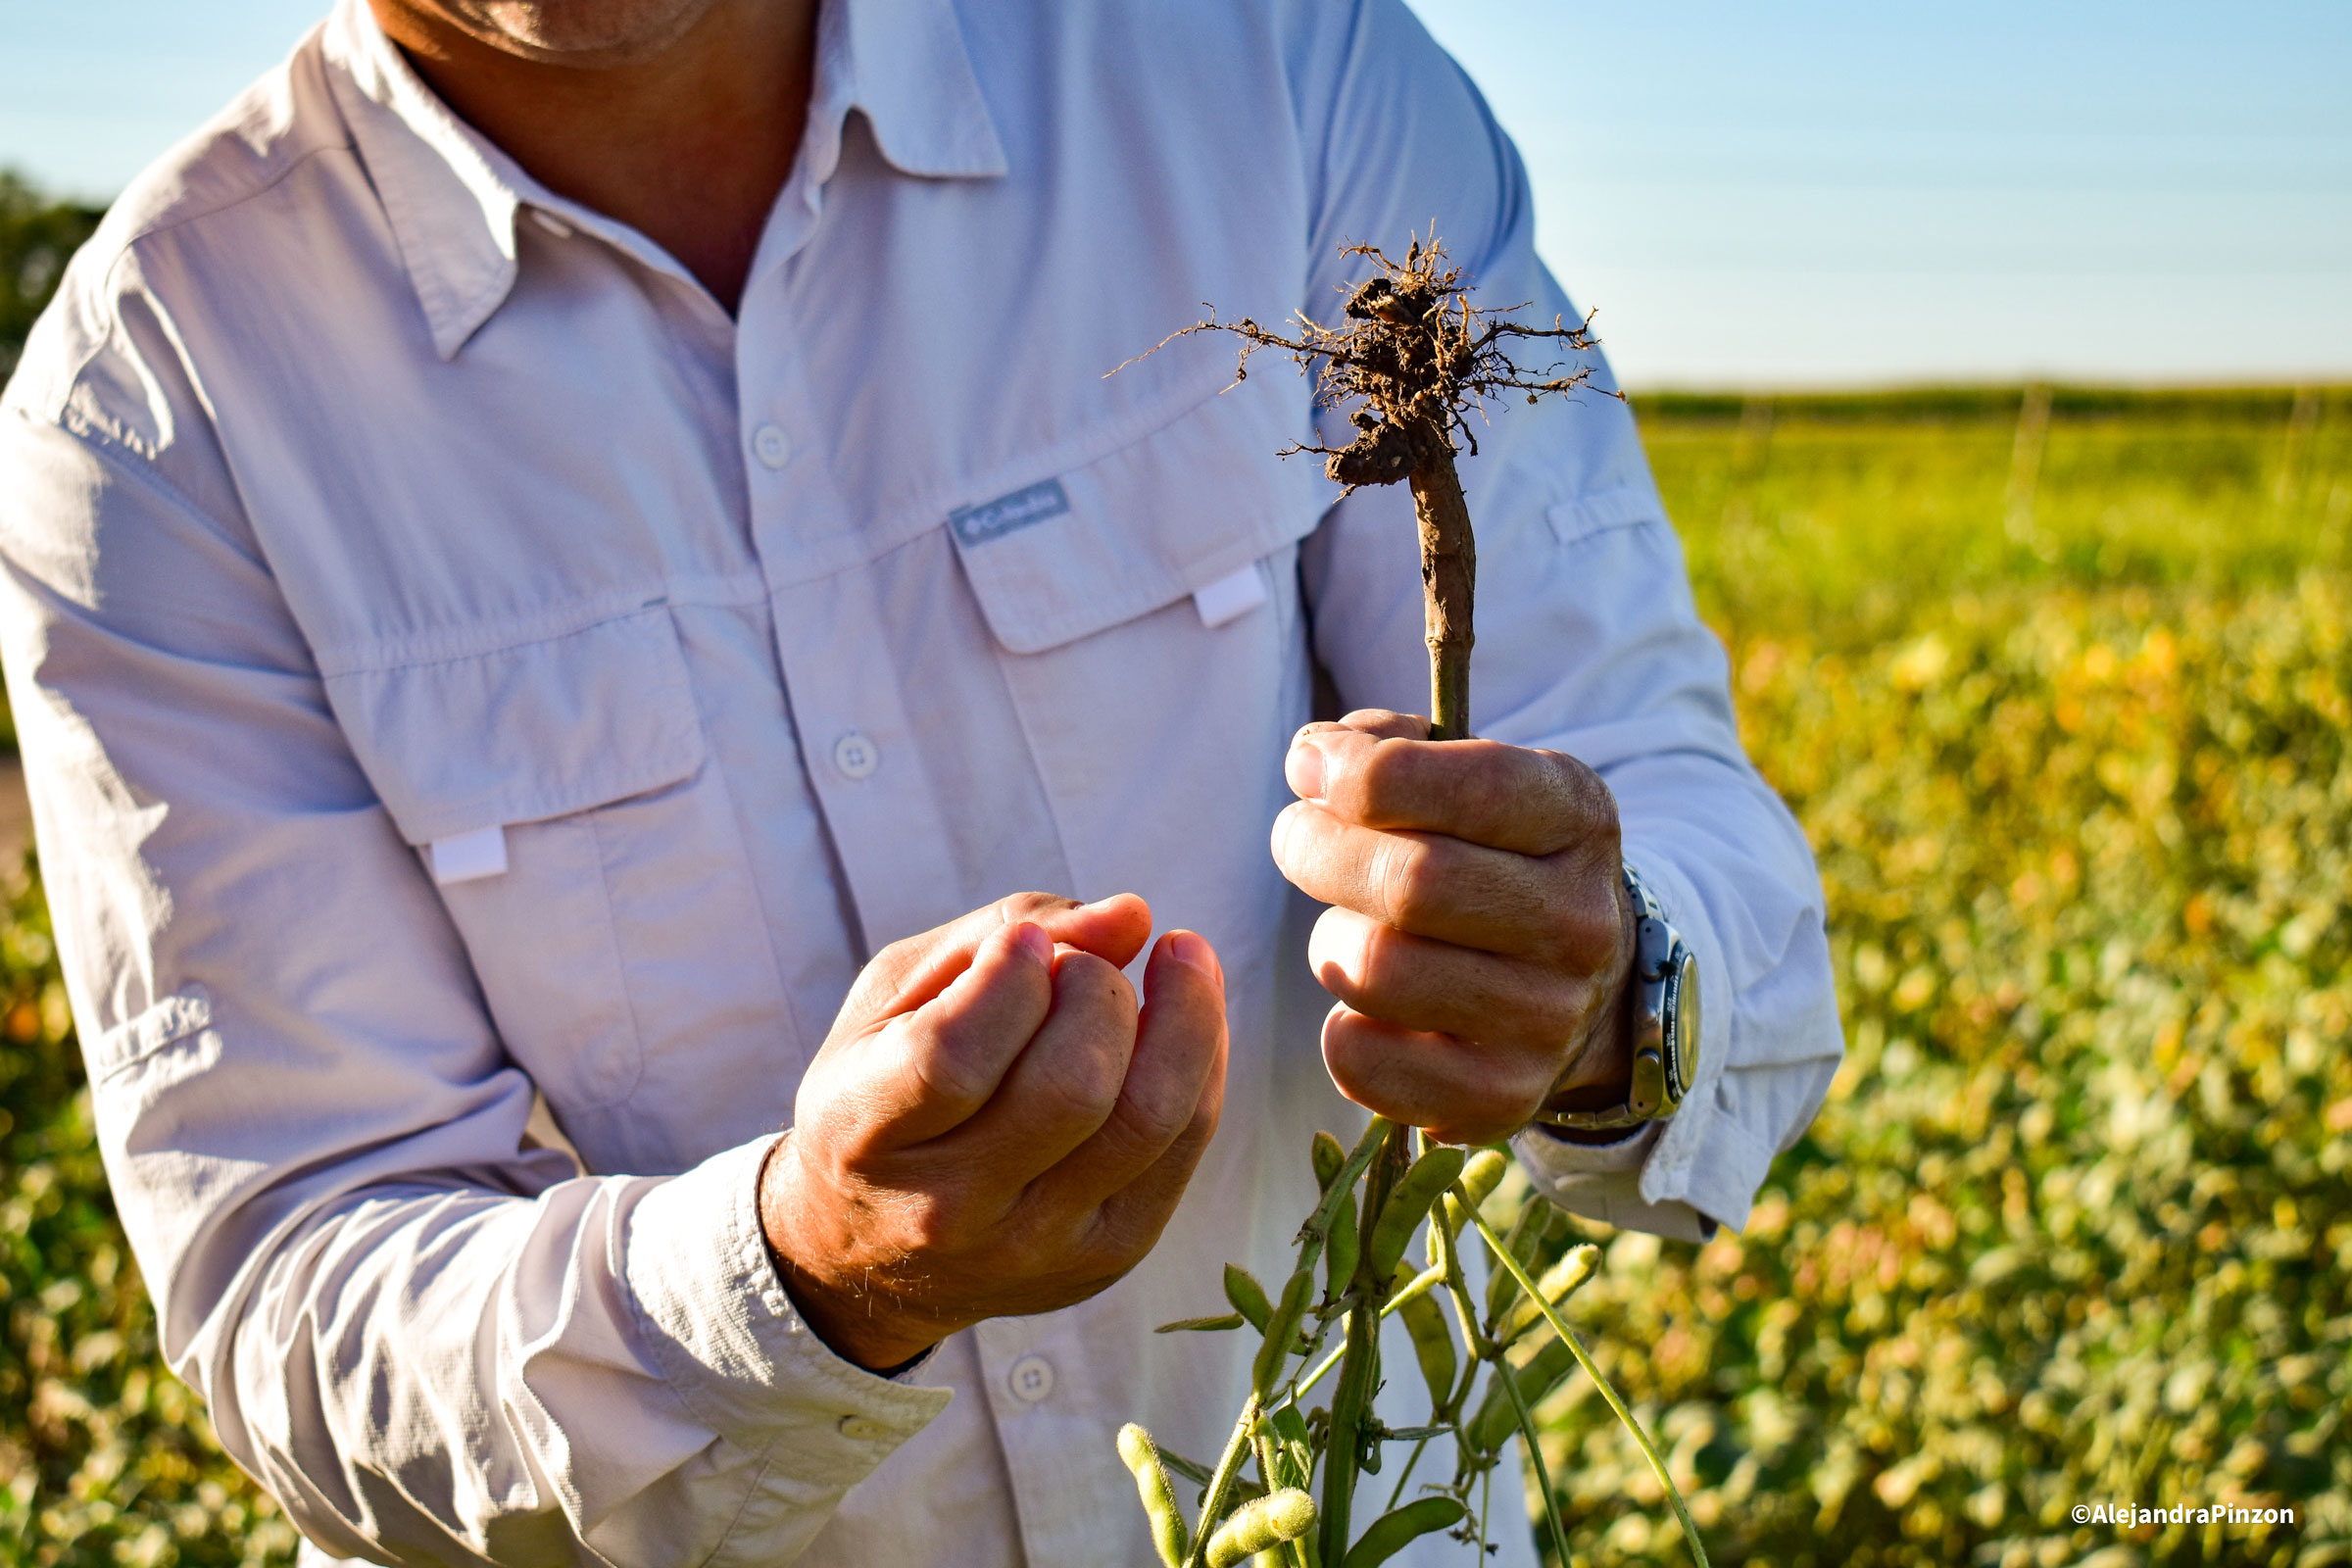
(855, 755)
(863, 1429)
(1032, 1378)
(773, 446)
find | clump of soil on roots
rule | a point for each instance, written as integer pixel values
(1419, 363)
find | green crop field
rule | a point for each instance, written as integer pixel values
(2062, 691)
(2061, 686)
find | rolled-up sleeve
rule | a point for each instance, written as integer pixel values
(1589, 642)
(431, 1340)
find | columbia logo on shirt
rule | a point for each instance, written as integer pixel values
(1008, 513)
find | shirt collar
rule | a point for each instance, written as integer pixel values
(451, 196)
(913, 76)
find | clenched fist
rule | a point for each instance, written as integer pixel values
(1480, 939)
(994, 1128)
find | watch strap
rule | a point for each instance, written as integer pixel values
(1664, 1002)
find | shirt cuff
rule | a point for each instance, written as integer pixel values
(728, 1339)
(1704, 1159)
(1603, 1181)
(1565, 1156)
(1670, 1178)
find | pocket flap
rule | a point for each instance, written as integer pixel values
(536, 729)
(1618, 506)
(1148, 523)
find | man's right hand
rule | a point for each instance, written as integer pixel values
(993, 1129)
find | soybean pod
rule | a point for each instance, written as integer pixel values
(1558, 1283)
(1522, 1239)
(1433, 1345)
(1408, 1205)
(1169, 1537)
(1340, 1247)
(1328, 1156)
(1282, 1331)
(1249, 1298)
(1484, 1173)
(1254, 1527)
(1479, 1180)
(1399, 1528)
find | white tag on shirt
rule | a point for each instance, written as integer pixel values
(1231, 595)
(469, 856)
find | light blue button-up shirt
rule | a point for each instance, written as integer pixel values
(461, 668)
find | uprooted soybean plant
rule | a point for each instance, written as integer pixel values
(1414, 362)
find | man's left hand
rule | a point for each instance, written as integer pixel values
(1480, 937)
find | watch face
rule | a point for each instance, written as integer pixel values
(1683, 1030)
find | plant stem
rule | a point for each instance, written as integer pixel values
(1535, 1454)
(1575, 1348)
(1420, 1286)
(1449, 581)
(1220, 1483)
(1358, 1368)
(1482, 1350)
(1359, 1365)
(1457, 1287)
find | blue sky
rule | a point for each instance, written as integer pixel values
(1815, 192)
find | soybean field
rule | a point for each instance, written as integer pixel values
(2060, 683)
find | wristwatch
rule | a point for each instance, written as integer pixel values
(1665, 1005)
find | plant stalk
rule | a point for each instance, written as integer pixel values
(1575, 1348)
(1421, 1285)
(1220, 1483)
(1535, 1452)
(1360, 1366)
(1449, 582)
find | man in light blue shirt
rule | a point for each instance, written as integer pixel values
(564, 565)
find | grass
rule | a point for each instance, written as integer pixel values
(1850, 518)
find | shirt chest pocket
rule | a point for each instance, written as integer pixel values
(1145, 607)
(589, 855)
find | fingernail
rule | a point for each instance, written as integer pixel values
(1034, 939)
(1285, 820)
(1191, 947)
(1304, 768)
